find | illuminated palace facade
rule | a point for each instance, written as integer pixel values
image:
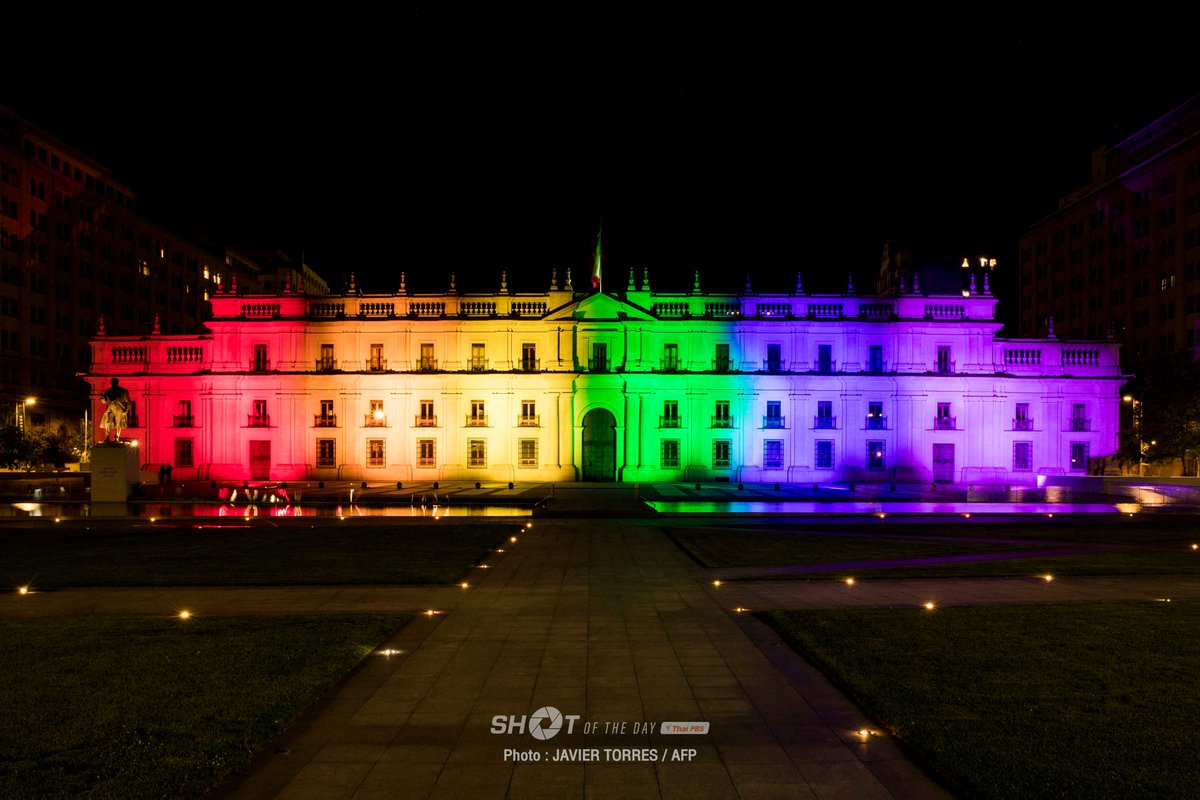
(628, 386)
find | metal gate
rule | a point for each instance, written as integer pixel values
(260, 460)
(599, 445)
(943, 463)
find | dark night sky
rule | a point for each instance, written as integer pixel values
(728, 146)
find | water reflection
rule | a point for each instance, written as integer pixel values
(739, 507)
(244, 510)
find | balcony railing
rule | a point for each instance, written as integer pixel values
(478, 365)
(529, 365)
(260, 365)
(477, 421)
(774, 422)
(529, 421)
(825, 423)
(425, 422)
(184, 421)
(669, 422)
(945, 423)
(600, 365)
(258, 421)
(943, 367)
(1022, 424)
(1080, 424)
(772, 365)
(722, 422)
(826, 365)
(876, 366)
(374, 421)
(722, 365)
(324, 421)
(377, 365)
(668, 364)
(876, 423)
(427, 364)
(326, 365)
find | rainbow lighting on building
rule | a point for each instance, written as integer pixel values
(634, 385)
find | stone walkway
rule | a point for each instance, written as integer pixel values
(605, 621)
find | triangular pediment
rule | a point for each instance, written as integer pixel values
(600, 306)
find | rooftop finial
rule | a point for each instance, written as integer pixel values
(352, 287)
(849, 284)
(916, 283)
(156, 328)
(645, 279)
(1050, 326)
(799, 284)
(570, 288)
(504, 281)
(403, 283)
(696, 282)
(553, 279)
(629, 288)
(973, 285)
(100, 326)
(287, 282)
(986, 289)
(452, 287)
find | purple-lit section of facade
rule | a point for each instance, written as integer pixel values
(635, 386)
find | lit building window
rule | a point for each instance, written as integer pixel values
(476, 452)
(527, 452)
(670, 453)
(773, 454)
(722, 454)
(824, 454)
(1022, 457)
(875, 455)
(375, 456)
(326, 453)
(184, 453)
(426, 453)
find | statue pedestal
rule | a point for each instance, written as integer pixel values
(114, 472)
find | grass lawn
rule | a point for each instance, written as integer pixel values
(1113, 546)
(258, 554)
(1025, 701)
(160, 707)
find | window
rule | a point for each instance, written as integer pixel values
(259, 418)
(529, 417)
(375, 418)
(773, 454)
(824, 358)
(326, 419)
(1022, 457)
(670, 453)
(599, 362)
(427, 361)
(824, 455)
(1022, 421)
(426, 419)
(1079, 420)
(426, 453)
(375, 453)
(875, 455)
(1079, 456)
(670, 357)
(376, 363)
(825, 420)
(326, 453)
(774, 362)
(478, 358)
(529, 361)
(944, 364)
(259, 364)
(721, 358)
(722, 457)
(527, 452)
(478, 416)
(875, 358)
(477, 452)
(184, 418)
(721, 418)
(325, 362)
(876, 421)
(183, 453)
(943, 421)
(774, 417)
(670, 415)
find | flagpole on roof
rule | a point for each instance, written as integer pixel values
(597, 279)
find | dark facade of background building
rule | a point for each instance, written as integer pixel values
(74, 250)
(1123, 251)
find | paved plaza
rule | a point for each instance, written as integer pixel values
(607, 622)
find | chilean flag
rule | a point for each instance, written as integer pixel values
(598, 260)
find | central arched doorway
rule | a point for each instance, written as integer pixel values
(599, 445)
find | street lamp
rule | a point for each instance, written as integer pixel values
(1137, 431)
(19, 412)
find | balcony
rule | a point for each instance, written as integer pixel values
(722, 422)
(722, 365)
(1022, 424)
(377, 365)
(876, 423)
(600, 365)
(257, 421)
(945, 423)
(324, 420)
(427, 365)
(529, 365)
(877, 367)
(774, 423)
(668, 364)
(529, 421)
(184, 421)
(376, 420)
(478, 365)
(477, 421)
(325, 365)
(773, 365)
(260, 365)
(826, 366)
(425, 422)
(944, 367)
(825, 423)
(1080, 424)
(669, 422)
